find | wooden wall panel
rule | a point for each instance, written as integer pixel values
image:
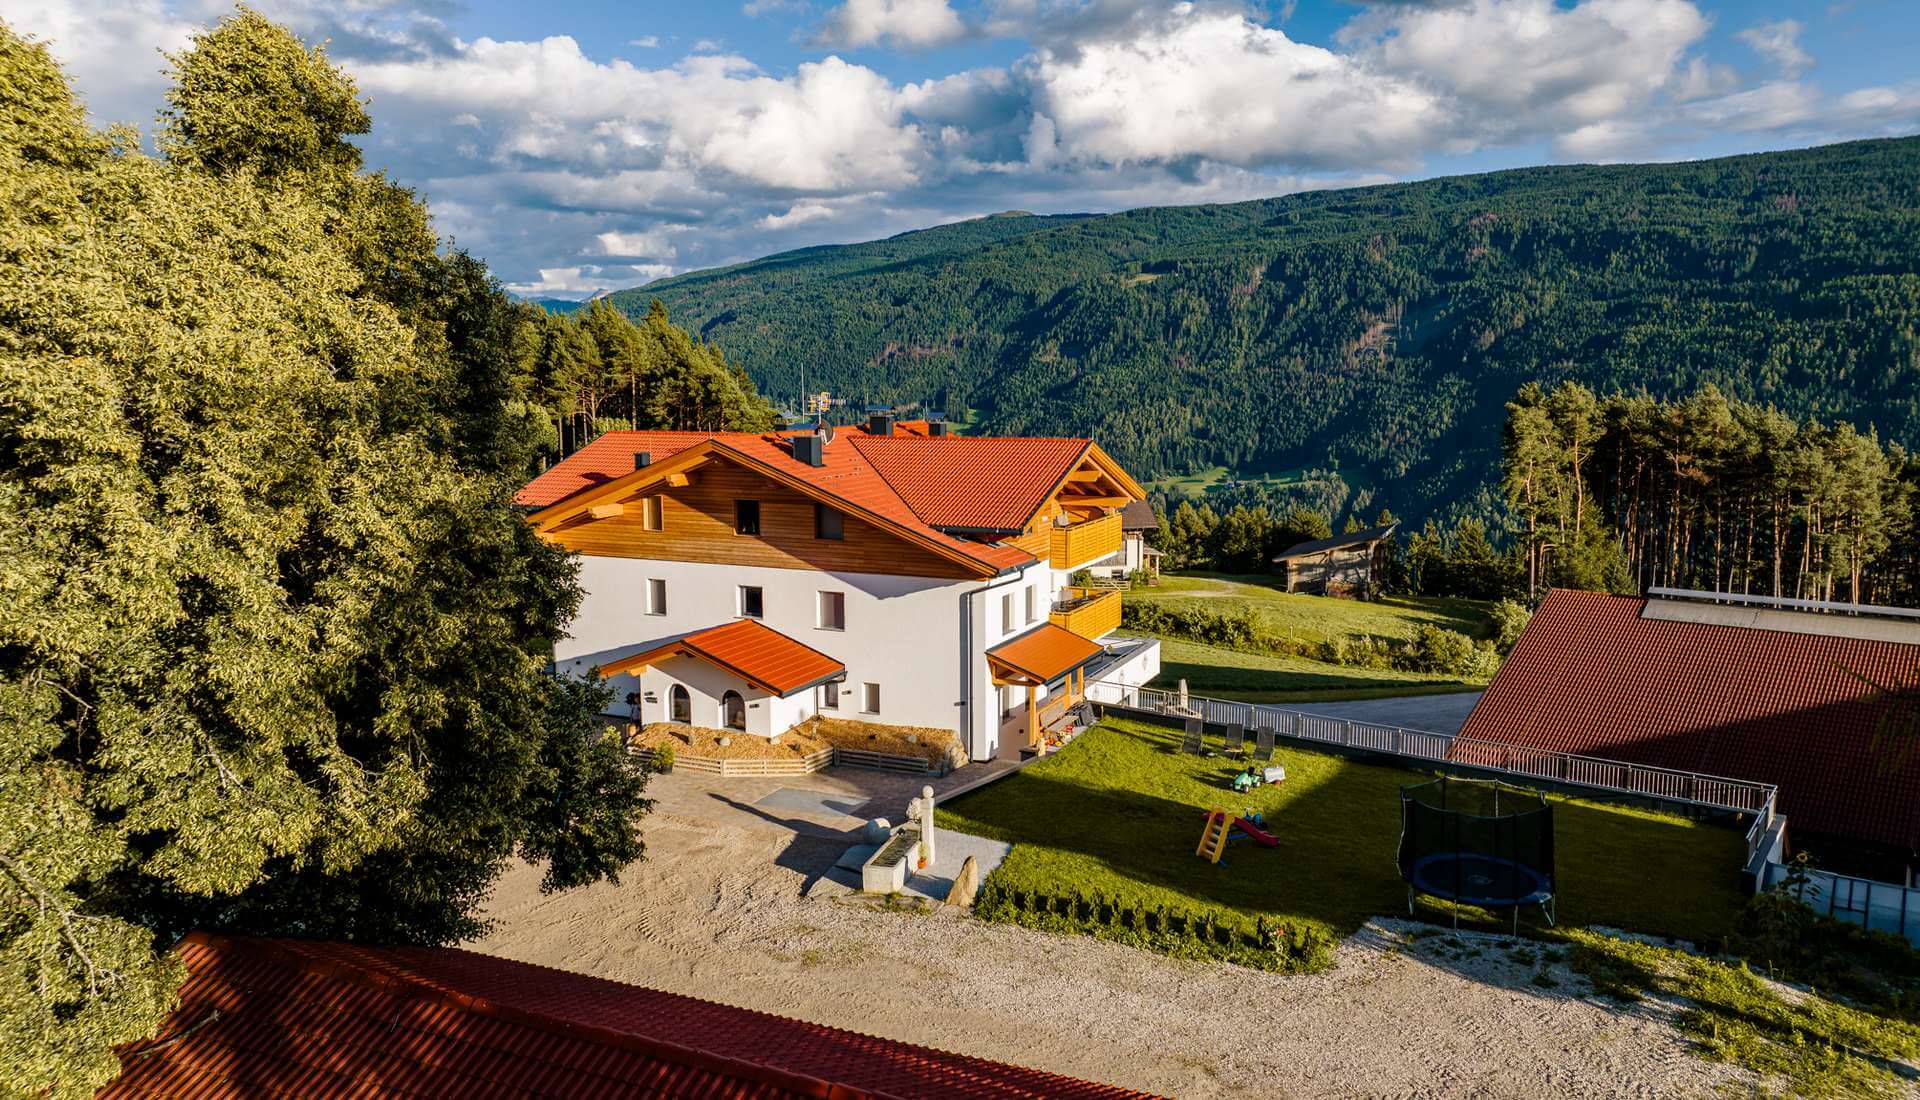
(697, 526)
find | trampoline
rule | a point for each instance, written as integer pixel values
(1477, 843)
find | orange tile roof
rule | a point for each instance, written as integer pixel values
(749, 649)
(981, 483)
(262, 1018)
(914, 483)
(1045, 653)
(1591, 676)
(607, 457)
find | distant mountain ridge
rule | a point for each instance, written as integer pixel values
(1376, 330)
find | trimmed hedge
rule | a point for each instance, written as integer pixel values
(1290, 948)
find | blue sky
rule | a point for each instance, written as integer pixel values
(580, 147)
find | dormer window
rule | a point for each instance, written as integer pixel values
(746, 517)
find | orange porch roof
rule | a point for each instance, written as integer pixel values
(747, 648)
(1044, 653)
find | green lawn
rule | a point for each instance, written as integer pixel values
(1118, 812)
(1315, 618)
(1265, 678)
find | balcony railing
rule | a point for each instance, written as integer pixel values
(1091, 613)
(1085, 543)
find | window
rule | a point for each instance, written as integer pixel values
(650, 517)
(830, 696)
(753, 602)
(746, 517)
(733, 711)
(1031, 590)
(1006, 612)
(870, 698)
(656, 596)
(681, 705)
(828, 523)
(833, 611)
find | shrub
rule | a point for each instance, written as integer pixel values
(1510, 617)
(662, 758)
(1296, 948)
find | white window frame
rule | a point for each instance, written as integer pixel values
(1033, 592)
(740, 600)
(869, 698)
(656, 596)
(820, 602)
(830, 695)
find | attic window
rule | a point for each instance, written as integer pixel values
(828, 523)
(746, 517)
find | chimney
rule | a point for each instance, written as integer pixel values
(936, 424)
(642, 459)
(880, 423)
(810, 448)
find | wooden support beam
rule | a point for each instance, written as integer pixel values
(1113, 501)
(1085, 475)
(1033, 719)
(607, 511)
(679, 481)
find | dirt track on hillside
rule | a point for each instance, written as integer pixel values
(718, 911)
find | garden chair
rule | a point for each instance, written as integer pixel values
(1263, 742)
(1236, 738)
(1192, 742)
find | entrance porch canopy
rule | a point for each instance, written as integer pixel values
(745, 648)
(1041, 655)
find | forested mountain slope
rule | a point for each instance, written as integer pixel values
(1377, 330)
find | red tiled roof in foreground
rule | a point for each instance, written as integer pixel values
(1044, 653)
(1591, 676)
(293, 1018)
(749, 649)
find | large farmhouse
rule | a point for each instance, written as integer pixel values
(889, 573)
(1731, 686)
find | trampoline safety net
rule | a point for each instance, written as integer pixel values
(1477, 843)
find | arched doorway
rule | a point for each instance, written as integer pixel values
(733, 711)
(681, 706)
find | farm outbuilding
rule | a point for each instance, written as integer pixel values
(1344, 565)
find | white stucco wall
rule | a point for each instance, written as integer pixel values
(903, 633)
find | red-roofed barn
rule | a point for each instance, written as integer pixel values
(1772, 694)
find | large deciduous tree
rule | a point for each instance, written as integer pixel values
(271, 638)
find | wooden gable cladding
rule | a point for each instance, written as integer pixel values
(697, 521)
(1095, 487)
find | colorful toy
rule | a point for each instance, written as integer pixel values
(1223, 828)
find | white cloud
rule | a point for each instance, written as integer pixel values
(1523, 68)
(830, 126)
(1219, 86)
(646, 42)
(112, 51)
(646, 244)
(1779, 42)
(914, 24)
(800, 213)
(590, 279)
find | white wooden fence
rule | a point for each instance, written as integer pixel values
(1612, 776)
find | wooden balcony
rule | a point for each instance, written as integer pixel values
(1091, 613)
(1087, 542)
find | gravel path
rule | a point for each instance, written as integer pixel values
(717, 912)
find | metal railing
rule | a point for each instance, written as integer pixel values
(1612, 776)
(1881, 906)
